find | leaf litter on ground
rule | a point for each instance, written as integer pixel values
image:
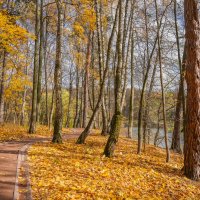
(71, 171)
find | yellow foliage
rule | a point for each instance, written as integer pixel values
(79, 58)
(17, 83)
(86, 19)
(89, 18)
(11, 34)
(79, 30)
(71, 171)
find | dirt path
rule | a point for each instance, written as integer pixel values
(11, 158)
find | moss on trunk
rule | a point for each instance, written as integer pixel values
(114, 135)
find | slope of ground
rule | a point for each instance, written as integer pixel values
(71, 171)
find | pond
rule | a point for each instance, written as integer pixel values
(161, 140)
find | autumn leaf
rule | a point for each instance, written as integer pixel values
(81, 172)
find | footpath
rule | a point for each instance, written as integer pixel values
(12, 158)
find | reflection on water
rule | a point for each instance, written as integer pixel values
(161, 138)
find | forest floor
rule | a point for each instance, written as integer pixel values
(71, 171)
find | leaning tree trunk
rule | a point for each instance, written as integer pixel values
(192, 134)
(86, 131)
(57, 135)
(32, 127)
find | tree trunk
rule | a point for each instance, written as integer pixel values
(46, 77)
(131, 114)
(176, 143)
(22, 118)
(181, 97)
(2, 88)
(70, 101)
(162, 86)
(104, 118)
(41, 52)
(80, 119)
(77, 98)
(117, 118)
(141, 103)
(86, 131)
(51, 108)
(126, 47)
(86, 82)
(114, 134)
(145, 118)
(192, 134)
(109, 101)
(32, 127)
(93, 90)
(57, 135)
(101, 49)
(146, 112)
(158, 126)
